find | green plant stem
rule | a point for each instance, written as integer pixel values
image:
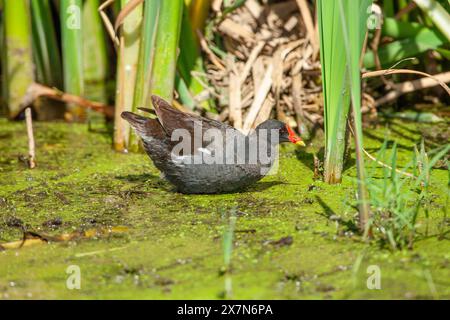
(128, 54)
(440, 17)
(165, 54)
(190, 60)
(335, 88)
(45, 45)
(145, 63)
(72, 54)
(17, 56)
(94, 46)
(353, 39)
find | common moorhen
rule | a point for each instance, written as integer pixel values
(212, 156)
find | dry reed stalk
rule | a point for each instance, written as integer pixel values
(31, 144)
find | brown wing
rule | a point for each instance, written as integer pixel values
(172, 118)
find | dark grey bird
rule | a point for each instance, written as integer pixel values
(199, 155)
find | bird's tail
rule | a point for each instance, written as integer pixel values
(136, 121)
(146, 128)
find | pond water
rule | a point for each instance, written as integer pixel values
(170, 244)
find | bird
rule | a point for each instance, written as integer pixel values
(198, 155)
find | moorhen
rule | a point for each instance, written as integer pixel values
(212, 156)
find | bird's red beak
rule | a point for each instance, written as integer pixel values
(294, 138)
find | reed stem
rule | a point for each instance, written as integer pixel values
(17, 56)
(72, 54)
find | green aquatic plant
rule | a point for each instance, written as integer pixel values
(342, 35)
(227, 244)
(397, 199)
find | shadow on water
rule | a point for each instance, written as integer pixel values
(262, 185)
(331, 215)
(159, 182)
(140, 178)
(307, 158)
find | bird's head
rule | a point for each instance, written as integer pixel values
(285, 133)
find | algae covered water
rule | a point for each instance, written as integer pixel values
(105, 225)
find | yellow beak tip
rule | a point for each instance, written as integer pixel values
(300, 143)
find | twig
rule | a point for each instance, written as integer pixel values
(214, 59)
(278, 71)
(36, 90)
(311, 31)
(235, 31)
(410, 86)
(364, 49)
(371, 157)
(298, 104)
(378, 73)
(251, 59)
(235, 96)
(108, 25)
(262, 92)
(31, 145)
(405, 10)
(127, 9)
(374, 46)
